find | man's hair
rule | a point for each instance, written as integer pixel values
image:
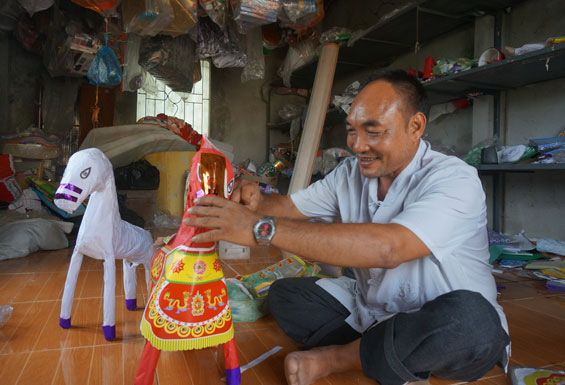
(410, 89)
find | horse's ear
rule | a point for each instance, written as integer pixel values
(85, 173)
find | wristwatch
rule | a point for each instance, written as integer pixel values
(264, 230)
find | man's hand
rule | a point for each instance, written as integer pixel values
(247, 193)
(229, 221)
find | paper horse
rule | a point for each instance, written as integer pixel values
(188, 306)
(102, 234)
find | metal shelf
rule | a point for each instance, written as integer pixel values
(397, 33)
(514, 72)
(510, 167)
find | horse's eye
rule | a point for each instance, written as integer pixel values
(85, 173)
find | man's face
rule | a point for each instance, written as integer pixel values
(378, 131)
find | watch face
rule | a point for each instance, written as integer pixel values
(265, 229)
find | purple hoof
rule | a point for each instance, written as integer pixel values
(131, 304)
(65, 323)
(109, 332)
(233, 376)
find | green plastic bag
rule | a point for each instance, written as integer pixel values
(244, 307)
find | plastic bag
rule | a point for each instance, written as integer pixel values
(221, 45)
(146, 18)
(133, 73)
(255, 67)
(301, 15)
(5, 314)
(256, 12)
(335, 35)
(450, 66)
(140, 175)
(473, 157)
(185, 16)
(291, 111)
(295, 10)
(244, 307)
(105, 69)
(170, 60)
(297, 56)
(216, 10)
(33, 6)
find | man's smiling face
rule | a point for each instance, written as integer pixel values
(380, 131)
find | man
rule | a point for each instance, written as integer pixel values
(413, 227)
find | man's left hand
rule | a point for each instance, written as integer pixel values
(229, 221)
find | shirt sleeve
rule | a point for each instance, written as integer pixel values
(319, 200)
(446, 214)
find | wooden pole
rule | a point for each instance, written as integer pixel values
(315, 118)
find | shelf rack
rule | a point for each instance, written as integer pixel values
(398, 32)
(514, 72)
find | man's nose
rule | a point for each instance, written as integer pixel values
(360, 143)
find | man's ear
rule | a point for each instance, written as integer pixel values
(417, 125)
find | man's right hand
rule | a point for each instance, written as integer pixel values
(247, 193)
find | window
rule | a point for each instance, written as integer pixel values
(193, 108)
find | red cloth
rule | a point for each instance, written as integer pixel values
(10, 190)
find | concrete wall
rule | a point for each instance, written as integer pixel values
(534, 202)
(19, 71)
(238, 111)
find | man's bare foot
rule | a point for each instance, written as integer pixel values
(303, 368)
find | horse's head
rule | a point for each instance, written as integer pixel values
(87, 171)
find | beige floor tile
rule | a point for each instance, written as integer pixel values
(131, 351)
(204, 366)
(40, 368)
(173, 370)
(34, 285)
(11, 285)
(94, 284)
(107, 365)
(84, 320)
(251, 346)
(11, 366)
(28, 331)
(553, 306)
(16, 318)
(53, 288)
(53, 336)
(74, 366)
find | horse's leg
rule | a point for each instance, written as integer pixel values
(130, 284)
(233, 374)
(69, 292)
(147, 364)
(109, 324)
(148, 281)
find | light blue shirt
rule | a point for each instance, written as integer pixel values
(437, 197)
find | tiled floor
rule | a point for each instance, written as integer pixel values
(34, 350)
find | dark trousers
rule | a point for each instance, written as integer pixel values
(457, 336)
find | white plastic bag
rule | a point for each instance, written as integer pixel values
(18, 239)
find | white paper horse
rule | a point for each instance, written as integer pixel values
(102, 234)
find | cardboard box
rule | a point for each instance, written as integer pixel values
(227, 250)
